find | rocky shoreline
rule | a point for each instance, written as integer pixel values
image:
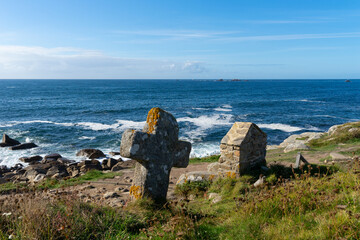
(54, 166)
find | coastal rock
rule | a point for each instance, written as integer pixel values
(8, 142)
(156, 149)
(23, 146)
(114, 153)
(4, 169)
(30, 159)
(91, 153)
(65, 161)
(215, 197)
(333, 129)
(38, 178)
(243, 148)
(272, 147)
(117, 167)
(296, 146)
(301, 138)
(213, 167)
(60, 170)
(51, 157)
(110, 195)
(299, 141)
(196, 176)
(33, 170)
(109, 163)
(88, 165)
(73, 171)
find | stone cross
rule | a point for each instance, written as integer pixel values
(156, 149)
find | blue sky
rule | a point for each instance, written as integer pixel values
(180, 39)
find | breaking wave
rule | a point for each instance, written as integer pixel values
(280, 126)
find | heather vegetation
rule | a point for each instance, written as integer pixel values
(314, 201)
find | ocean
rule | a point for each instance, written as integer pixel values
(64, 116)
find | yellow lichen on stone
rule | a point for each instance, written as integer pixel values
(152, 118)
(231, 175)
(135, 191)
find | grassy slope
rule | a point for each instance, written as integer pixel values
(316, 203)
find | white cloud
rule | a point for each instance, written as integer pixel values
(292, 37)
(176, 34)
(65, 62)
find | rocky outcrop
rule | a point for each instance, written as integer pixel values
(8, 142)
(51, 157)
(91, 153)
(31, 159)
(156, 149)
(23, 146)
(109, 163)
(243, 148)
(299, 141)
(296, 146)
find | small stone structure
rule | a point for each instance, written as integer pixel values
(242, 148)
(156, 149)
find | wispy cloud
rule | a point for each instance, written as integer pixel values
(176, 33)
(289, 21)
(291, 37)
(64, 62)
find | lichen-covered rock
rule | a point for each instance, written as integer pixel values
(242, 148)
(156, 149)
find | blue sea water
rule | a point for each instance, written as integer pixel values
(64, 116)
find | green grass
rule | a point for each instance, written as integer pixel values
(92, 175)
(328, 158)
(10, 186)
(355, 152)
(302, 138)
(209, 159)
(303, 208)
(341, 135)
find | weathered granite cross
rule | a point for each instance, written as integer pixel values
(156, 149)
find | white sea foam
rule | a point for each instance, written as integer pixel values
(303, 100)
(86, 137)
(120, 124)
(205, 122)
(125, 124)
(97, 126)
(280, 126)
(204, 149)
(224, 108)
(14, 123)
